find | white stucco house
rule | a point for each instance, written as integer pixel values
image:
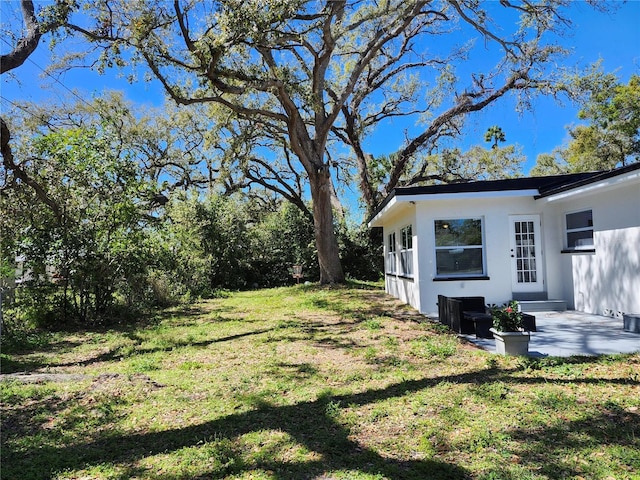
(570, 238)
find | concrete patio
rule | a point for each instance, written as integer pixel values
(563, 334)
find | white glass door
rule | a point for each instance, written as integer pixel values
(526, 254)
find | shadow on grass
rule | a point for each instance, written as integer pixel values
(361, 306)
(45, 342)
(311, 424)
(297, 370)
(551, 451)
(117, 353)
(24, 343)
(17, 341)
(314, 425)
(11, 364)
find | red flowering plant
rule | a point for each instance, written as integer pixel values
(507, 318)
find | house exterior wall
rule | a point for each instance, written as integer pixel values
(403, 287)
(495, 214)
(606, 281)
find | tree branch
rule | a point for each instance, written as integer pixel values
(518, 80)
(9, 163)
(27, 44)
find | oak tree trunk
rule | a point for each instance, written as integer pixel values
(326, 240)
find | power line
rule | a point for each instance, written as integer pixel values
(20, 107)
(17, 106)
(53, 78)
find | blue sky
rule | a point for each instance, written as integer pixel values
(613, 38)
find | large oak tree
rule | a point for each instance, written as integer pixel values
(310, 72)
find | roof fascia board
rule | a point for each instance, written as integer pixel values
(378, 216)
(466, 195)
(591, 187)
(431, 197)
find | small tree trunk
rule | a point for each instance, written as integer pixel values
(326, 240)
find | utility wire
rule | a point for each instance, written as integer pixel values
(20, 107)
(17, 106)
(53, 78)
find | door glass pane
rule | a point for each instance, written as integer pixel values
(525, 253)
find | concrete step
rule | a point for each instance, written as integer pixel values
(543, 305)
(529, 296)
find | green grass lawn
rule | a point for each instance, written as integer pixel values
(310, 383)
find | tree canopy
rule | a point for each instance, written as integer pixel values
(302, 78)
(610, 134)
(288, 92)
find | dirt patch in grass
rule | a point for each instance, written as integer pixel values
(42, 377)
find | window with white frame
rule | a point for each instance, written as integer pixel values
(406, 252)
(579, 228)
(391, 253)
(459, 247)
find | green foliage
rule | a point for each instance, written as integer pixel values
(228, 242)
(495, 134)
(361, 252)
(284, 238)
(124, 239)
(205, 244)
(372, 324)
(477, 163)
(611, 136)
(78, 261)
(507, 318)
(195, 248)
(436, 347)
(116, 246)
(549, 164)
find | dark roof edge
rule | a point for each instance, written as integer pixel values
(381, 206)
(501, 185)
(586, 181)
(546, 186)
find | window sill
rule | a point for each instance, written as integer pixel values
(397, 275)
(578, 250)
(454, 279)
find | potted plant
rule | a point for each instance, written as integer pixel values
(511, 339)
